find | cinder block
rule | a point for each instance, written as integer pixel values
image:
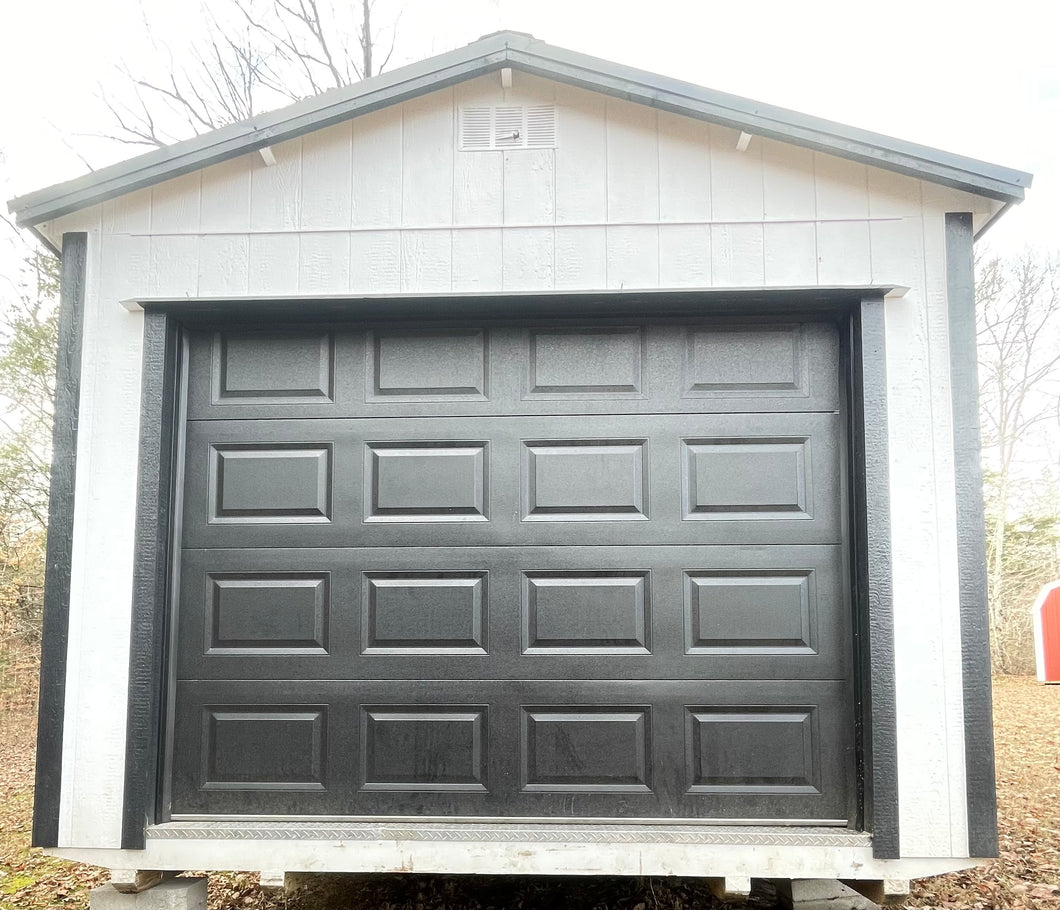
(172, 894)
(821, 894)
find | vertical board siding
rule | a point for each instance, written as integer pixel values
(737, 255)
(631, 199)
(529, 186)
(736, 187)
(930, 734)
(477, 260)
(327, 177)
(528, 257)
(427, 151)
(684, 169)
(375, 262)
(581, 157)
(377, 168)
(893, 195)
(790, 253)
(843, 253)
(581, 258)
(175, 205)
(426, 262)
(842, 187)
(949, 528)
(323, 262)
(102, 557)
(632, 256)
(273, 266)
(478, 188)
(786, 193)
(632, 163)
(225, 202)
(684, 256)
(174, 262)
(224, 265)
(131, 214)
(276, 189)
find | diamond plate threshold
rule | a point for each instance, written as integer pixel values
(519, 833)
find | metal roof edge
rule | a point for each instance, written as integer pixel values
(520, 51)
(958, 171)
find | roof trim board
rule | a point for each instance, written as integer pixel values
(527, 54)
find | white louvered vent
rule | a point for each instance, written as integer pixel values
(476, 128)
(507, 127)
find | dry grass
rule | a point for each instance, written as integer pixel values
(1027, 721)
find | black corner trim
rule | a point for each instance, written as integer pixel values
(874, 581)
(55, 633)
(971, 540)
(150, 576)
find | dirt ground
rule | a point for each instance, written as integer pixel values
(1027, 874)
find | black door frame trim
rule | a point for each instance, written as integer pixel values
(971, 540)
(869, 471)
(56, 627)
(874, 612)
(155, 528)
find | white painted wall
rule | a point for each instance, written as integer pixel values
(631, 198)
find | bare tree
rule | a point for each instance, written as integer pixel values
(256, 54)
(1018, 312)
(27, 377)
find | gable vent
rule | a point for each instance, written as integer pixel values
(506, 126)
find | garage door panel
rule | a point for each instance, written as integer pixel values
(523, 613)
(584, 568)
(503, 482)
(530, 749)
(482, 369)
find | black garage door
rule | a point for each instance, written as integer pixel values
(515, 570)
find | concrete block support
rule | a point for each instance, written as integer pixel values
(882, 891)
(821, 894)
(731, 888)
(173, 894)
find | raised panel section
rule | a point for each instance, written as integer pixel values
(586, 363)
(753, 749)
(424, 747)
(749, 612)
(587, 749)
(417, 613)
(241, 747)
(747, 478)
(745, 362)
(410, 366)
(591, 480)
(586, 612)
(270, 483)
(427, 482)
(267, 613)
(293, 368)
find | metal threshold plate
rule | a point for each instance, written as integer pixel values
(773, 835)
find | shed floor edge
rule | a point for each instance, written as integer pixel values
(514, 857)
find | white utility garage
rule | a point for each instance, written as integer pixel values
(531, 465)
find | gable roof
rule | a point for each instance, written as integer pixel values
(522, 52)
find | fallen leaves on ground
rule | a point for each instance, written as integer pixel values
(1027, 749)
(1027, 873)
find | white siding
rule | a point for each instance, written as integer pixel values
(629, 199)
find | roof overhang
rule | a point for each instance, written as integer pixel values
(524, 53)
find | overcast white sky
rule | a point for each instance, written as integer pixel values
(980, 79)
